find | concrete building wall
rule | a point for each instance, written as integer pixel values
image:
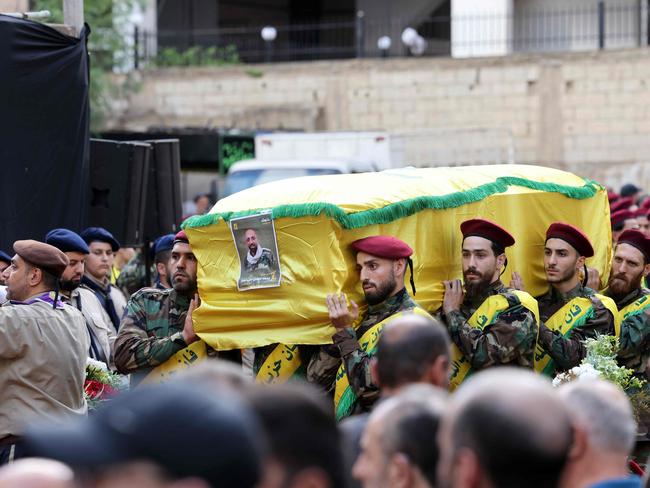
(581, 111)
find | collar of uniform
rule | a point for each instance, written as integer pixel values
(577, 291)
(181, 300)
(102, 284)
(624, 301)
(389, 303)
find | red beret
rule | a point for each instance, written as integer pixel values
(383, 247)
(646, 203)
(43, 256)
(612, 196)
(181, 237)
(621, 204)
(637, 239)
(572, 235)
(621, 216)
(641, 212)
(487, 230)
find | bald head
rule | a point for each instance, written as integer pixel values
(402, 430)
(603, 410)
(36, 473)
(408, 347)
(511, 425)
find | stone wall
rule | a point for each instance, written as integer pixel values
(586, 111)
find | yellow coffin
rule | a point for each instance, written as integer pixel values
(316, 219)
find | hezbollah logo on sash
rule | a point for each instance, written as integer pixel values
(183, 359)
(344, 397)
(487, 314)
(283, 362)
(635, 308)
(573, 314)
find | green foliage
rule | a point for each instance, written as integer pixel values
(601, 354)
(108, 47)
(197, 56)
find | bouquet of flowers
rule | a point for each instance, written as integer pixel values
(100, 384)
(600, 362)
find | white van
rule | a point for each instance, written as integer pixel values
(252, 172)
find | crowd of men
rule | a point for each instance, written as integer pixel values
(385, 377)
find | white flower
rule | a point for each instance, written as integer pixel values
(587, 372)
(93, 363)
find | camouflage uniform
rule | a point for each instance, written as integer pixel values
(266, 262)
(325, 363)
(509, 341)
(151, 331)
(635, 334)
(569, 351)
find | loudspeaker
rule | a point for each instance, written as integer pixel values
(119, 175)
(164, 205)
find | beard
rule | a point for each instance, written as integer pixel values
(381, 291)
(252, 250)
(474, 288)
(186, 286)
(567, 275)
(69, 285)
(619, 285)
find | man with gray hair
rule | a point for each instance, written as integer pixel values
(504, 428)
(604, 435)
(398, 444)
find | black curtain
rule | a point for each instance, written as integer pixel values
(44, 130)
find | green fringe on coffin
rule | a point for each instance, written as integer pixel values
(399, 210)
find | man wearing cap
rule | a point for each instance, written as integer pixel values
(98, 323)
(489, 324)
(569, 312)
(102, 246)
(622, 220)
(134, 276)
(43, 346)
(630, 264)
(381, 263)
(158, 323)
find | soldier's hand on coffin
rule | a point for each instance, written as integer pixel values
(517, 281)
(340, 316)
(454, 295)
(189, 336)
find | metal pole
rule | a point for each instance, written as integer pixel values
(268, 51)
(601, 24)
(360, 33)
(136, 47)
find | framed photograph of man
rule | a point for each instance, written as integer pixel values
(257, 249)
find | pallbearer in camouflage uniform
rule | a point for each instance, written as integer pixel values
(631, 262)
(158, 323)
(569, 312)
(382, 263)
(489, 324)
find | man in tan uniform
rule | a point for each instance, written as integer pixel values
(43, 346)
(100, 329)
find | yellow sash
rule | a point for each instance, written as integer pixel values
(573, 314)
(183, 359)
(486, 314)
(344, 396)
(635, 308)
(281, 364)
